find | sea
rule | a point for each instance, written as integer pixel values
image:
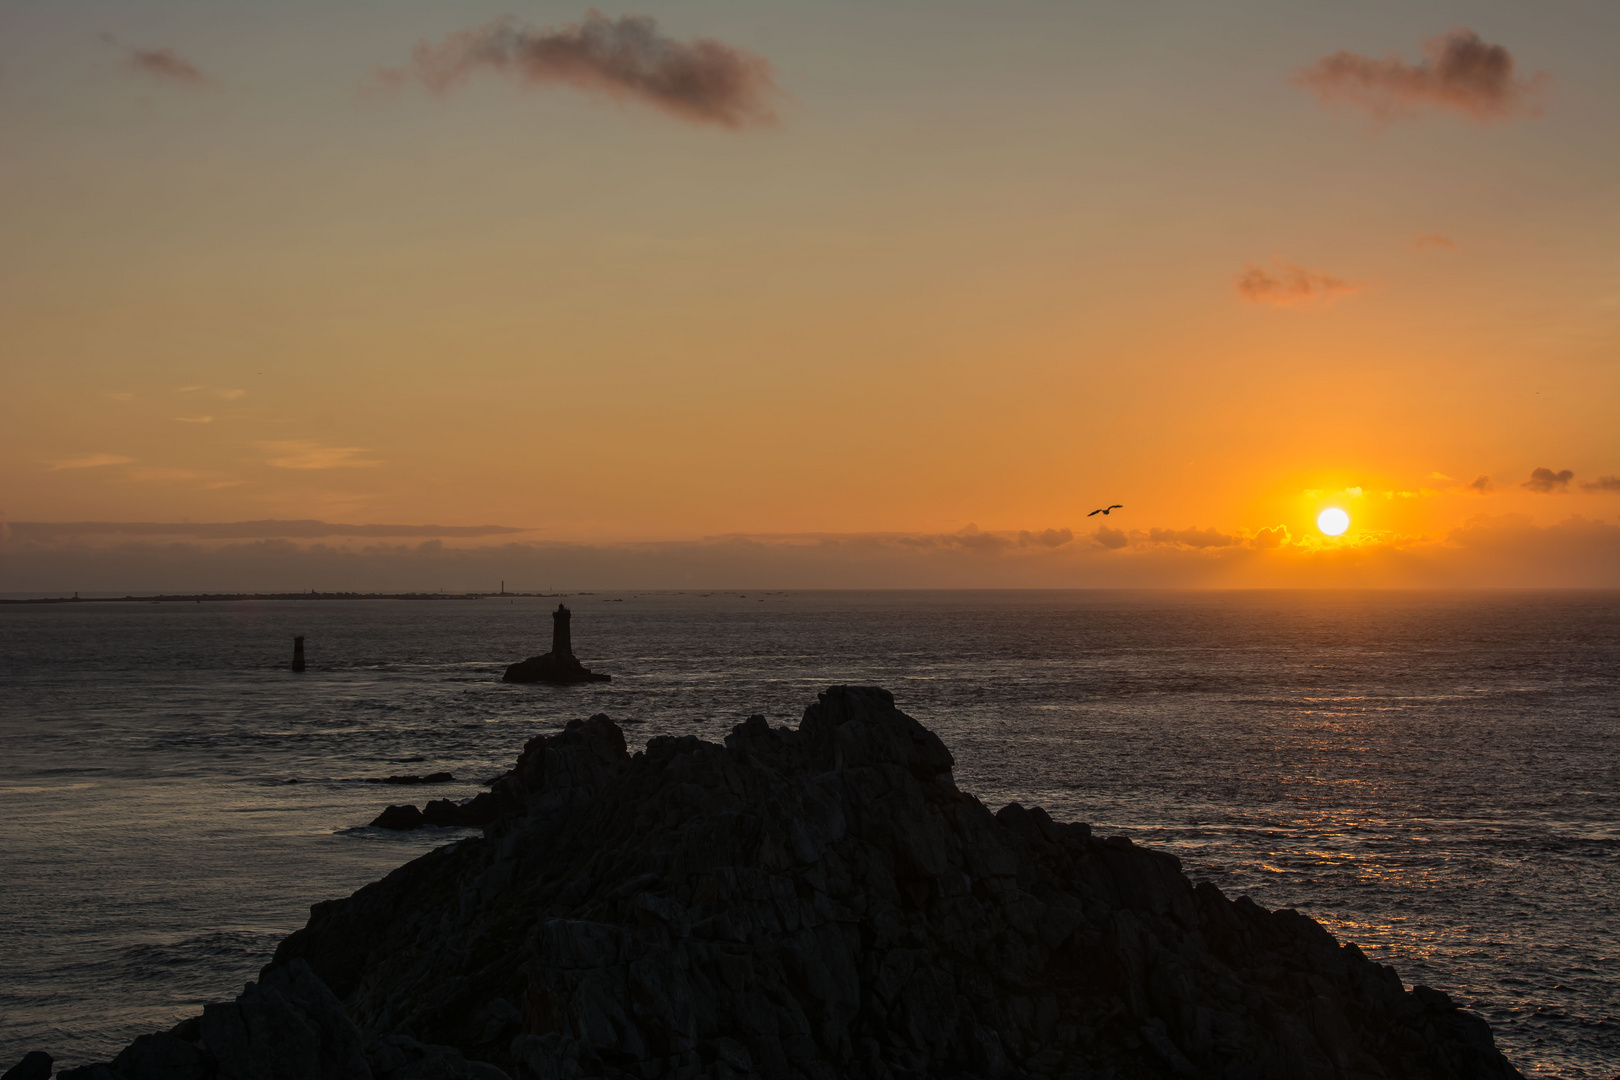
(1434, 776)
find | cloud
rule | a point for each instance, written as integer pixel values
(1274, 537)
(195, 419)
(166, 65)
(1482, 484)
(1547, 482)
(1459, 73)
(231, 395)
(1051, 538)
(244, 530)
(1603, 484)
(310, 455)
(1484, 552)
(1291, 286)
(1195, 538)
(1112, 539)
(1434, 242)
(700, 80)
(90, 461)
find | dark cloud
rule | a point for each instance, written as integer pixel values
(1604, 484)
(1547, 482)
(1482, 484)
(1291, 286)
(700, 80)
(1269, 538)
(1112, 539)
(166, 65)
(241, 530)
(1197, 538)
(1051, 538)
(1460, 72)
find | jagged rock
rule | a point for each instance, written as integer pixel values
(824, 903)
(400, 1057)
(559, 666)
(288, 1026)
(35, 1065)
(399, 817)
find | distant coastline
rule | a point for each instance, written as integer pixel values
(157, 598)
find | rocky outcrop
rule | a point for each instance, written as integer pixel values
(287, 1026)
(825, 903)
(559, 666)
(813, 904)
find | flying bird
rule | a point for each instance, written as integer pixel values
(1104, 511)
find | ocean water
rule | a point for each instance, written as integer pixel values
(1433, 776)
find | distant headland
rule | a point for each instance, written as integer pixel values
(187, 598)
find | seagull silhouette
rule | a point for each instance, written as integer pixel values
(1104, 510)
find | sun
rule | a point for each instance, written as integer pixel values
(1333, 521)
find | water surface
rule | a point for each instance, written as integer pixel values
(1433, 776)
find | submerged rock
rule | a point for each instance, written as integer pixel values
(825, 903)
(559, 666)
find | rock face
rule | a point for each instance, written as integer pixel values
(559, 666)
(825, 904)
(287, 1026)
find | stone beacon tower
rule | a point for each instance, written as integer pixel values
(561, 641)
(559, 666)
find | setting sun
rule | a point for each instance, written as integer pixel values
(1333, 521)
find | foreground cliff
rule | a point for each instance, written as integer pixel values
(825, 903)
(819, 904)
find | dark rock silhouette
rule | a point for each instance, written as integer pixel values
(35, 1065)
(811, 904)
(824, 903)
(559, 666)
(287, 1026)
(504, 797)
(399, 817)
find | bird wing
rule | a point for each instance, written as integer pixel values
(1117, 506)
(1094, 513)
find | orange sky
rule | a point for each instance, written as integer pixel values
(936, 266)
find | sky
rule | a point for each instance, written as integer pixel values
(781, 294)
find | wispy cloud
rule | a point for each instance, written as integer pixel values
(90, 461)
(1482, 484)
(1547, 482)
(699, 80)
(299, 454)
(166, 65)
(1194, 538)
(1291, 286)
(1459, 72)
(1434, 242)
(1606, 484)
(1051, 538)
